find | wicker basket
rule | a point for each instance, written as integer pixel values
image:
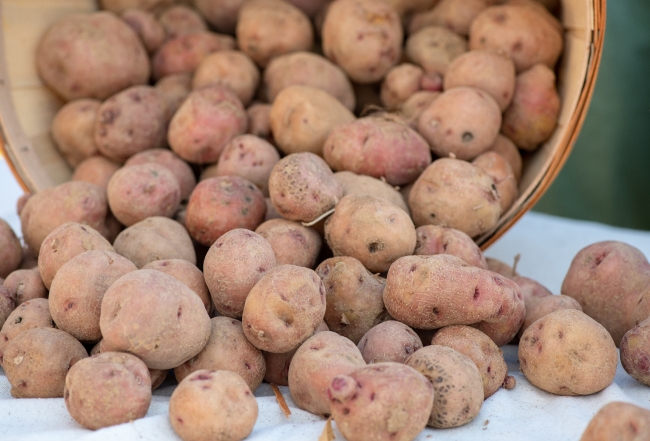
(27, 107)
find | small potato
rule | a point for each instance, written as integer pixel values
(155, 238)
(108, 389)
(364, 37)
(25, 284)
(292, 243)
(302, 116)
(474, 344)
(412, 108)
(268, 28)
(432, 239)
(568, 353)
(635, 356)
(181, 170)
(34, 313)
(618, 421)
(402, 81)
(110, 57)
(502, 268)
(174, 89)
(233, 69)
(433, 48)
(183, 54)
(383, 402)
(477, 213)
(188, 274)
(95, 170)
(227, 349)
(302, 187)
(11, 251)
(259, 122)
(148, 28)
(233, 265)
(72, 129)
(538, 307)
(389, 341)
(37, 360)
(64, 243)
(222, 14)
(218, 205)
(204, 124)
(370, 229)
(457, 385)
(212, 405)
(463, 122)
(7, 304)
(354, 297)
(180, 20)
(137, 192)
(503, 176)
(455, 15)
(316, 362)
(181, 328)
(530, 289)
(506, 148)
(284, 308)
(308, 69)
(78, 289)
(362, 184)
(377, 147)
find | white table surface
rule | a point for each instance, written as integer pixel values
(546, 244)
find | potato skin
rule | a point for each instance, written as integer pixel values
(353, 183)
(181, 169)
(292, 243)
(568, 353)
(433, 239)
(11, 251)
(34, 313)
(383, 401)
(502, 174)
(635, 356)
(284, 308)
(73, 127)
(24, 285)
(316, 362)
(96, 170)
(619, 421)
(186, 273)
(433, 48)
(389, 341)
(107, 389)
(233, 69)
(538, 307)
(37, 360)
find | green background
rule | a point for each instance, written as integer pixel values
(607, 175)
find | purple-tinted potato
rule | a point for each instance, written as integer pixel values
(530, 289)
(186, 273)
(433, 239)
(502, 174)
(504, 269)
(181, 170)
(34, 313)
(148, 28)
(72, 130)
(620, 421)
(433, 48)
(180, 20)
(233, 69)
(11, 251)
(635, 356)
(292, 243)
(389, 341)
(25, 284)
(95, 170)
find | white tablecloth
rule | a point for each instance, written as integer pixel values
(546, 245)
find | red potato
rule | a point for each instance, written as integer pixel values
(503, 176)
(433, 48)
(402, 81)
(72, 130)
(530, 289)
(222, 14)
(230, 68)
(188, 274)
(455, 15)
(7, 304)
(292, 243)
(95, 170)
(204, 124)
(635, 357)
(408, 7)
(433, 239)
(180, 20)
(412, 108)
(362, 184)
(11, 250)
(259, 123)
(174, 89)
(310, 7)
(506, 148)
(538, 307)
(620, 421)
(389, 341)
(364, 37)
(119, 6)
(181, 170)
(24, 285)
(148, 28)
(34, 313)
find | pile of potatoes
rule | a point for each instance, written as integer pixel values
(291, 189)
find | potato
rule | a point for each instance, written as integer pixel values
(183, 54)
(78, 289)
(503, 176)
(108, 389)
(25, 284)
(233, 265)
(389, 341)
(227, 349)
(84, 202)
(433, 48)
(308, 69)
(180, 20)
(34, 313)
(383, 401)
(528, 35)
(181, 328)
(455, 15)
(181, 170)
(211, 405)
(148, 28)
(72, 130)
(364, 37)
(506, 148)
(610, 280)
(310, 7)
(259, 123)
(292, 243)
(11, 251)
(475, 214)
(538, 307)
(7, 303)
(119, 6)
(620, 421)
(65, 242)
(37, 360)
(370, 229)
(377, 147)
(302, 187)
(568, 353)
(188, 274)
(530, 289)
(222, 14)
(497, 307)
(504, 269)
(407, 7)
(635, 356)
(412, 108)
(221, 204)
(108, 59)
(316, 362)
(463, 121)
(95, 170)
(284, 308)
(301, 117)
(402, 81)
(174, 88)
(233, 69)
(457, 385)
(155, 238)
(533, 114)
(268, 28)
(433, 239)
(362, 184)
(204, 124)
(474, 344)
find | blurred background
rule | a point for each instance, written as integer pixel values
(607, 176)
